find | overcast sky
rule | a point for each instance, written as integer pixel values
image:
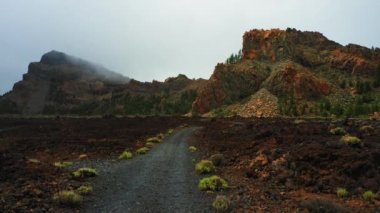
(155, 39)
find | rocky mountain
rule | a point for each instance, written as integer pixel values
(61, 83)
(277, 72)
(305, 72)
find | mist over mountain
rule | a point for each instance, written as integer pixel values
(277, 72)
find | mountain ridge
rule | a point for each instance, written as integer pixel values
(304, 71)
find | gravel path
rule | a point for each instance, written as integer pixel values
(161, 181)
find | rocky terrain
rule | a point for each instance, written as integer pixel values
(63, 84)
(303, 67)
(286, 72)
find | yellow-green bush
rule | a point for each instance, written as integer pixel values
(205, 167)
(126, 155)
(154, 140)
(221, 203)
(142, 151)
(369, 196)
(149, 145)
(338, 131)
(84, 190)
(68, 198)
(213, 183)
(341, 192)
(192, 148)
(350, 140)
(63, 164)
(85, 172)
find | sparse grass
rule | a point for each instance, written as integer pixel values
(84, 190)
(70, 198)
(367, 129)
(160, 136)
(369, 196)
(170, 131)
(205, 167)
(153, 140)
(213, 183)
(341, 192)
(350, 140)
(221, 203)
(142, 151)
(192, 148)
(126, 155)
(149, 145)
(338, 131)
(34, 161)
(85, 172)
(299, 121)
(63, 164)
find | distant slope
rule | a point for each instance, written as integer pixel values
(307, 73)
(64, 84)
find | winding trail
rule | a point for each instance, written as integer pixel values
(163, 180)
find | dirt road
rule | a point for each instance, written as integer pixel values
(161, 181)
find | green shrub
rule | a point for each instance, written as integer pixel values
(63, 164)
(338, 131)
(154, 140)
(213, 183)
(369, 196)
(84, 190)
(160, 136)
(34, 161)
(221, 203)
(350, 140)
(170, 131)
(192, 148)
(68, 198)
(126, 155)
(142, 150)
(341, 192)
(85, 172)
(149, 145)
(205, 167)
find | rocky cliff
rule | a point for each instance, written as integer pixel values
(290, 64)
(61, 83)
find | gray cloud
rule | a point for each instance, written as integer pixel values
(152, 39)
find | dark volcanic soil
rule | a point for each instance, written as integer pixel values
(272, 165)
(28, 186)
(275, 164)
(163, 180)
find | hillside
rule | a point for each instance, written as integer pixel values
(305, 72)
(277, 72)
(63, 84)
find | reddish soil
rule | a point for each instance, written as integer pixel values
(272, 165)
(28, 186)
(275, 165)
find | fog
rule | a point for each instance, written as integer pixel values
(156, 39)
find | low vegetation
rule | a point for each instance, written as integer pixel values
(34, 161)
(85, 172)
(70, 198)
(367, 129)
(350, 140)
(221, 203)
(154, 140)
(369, 196)
(170, 131)
(192, 148)
(214, 183)
(205, 167)
(63, 164)
(338, 131)
(126, 155)
(149, 145)
(142, 151)
(84, 190)
(342, 192)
